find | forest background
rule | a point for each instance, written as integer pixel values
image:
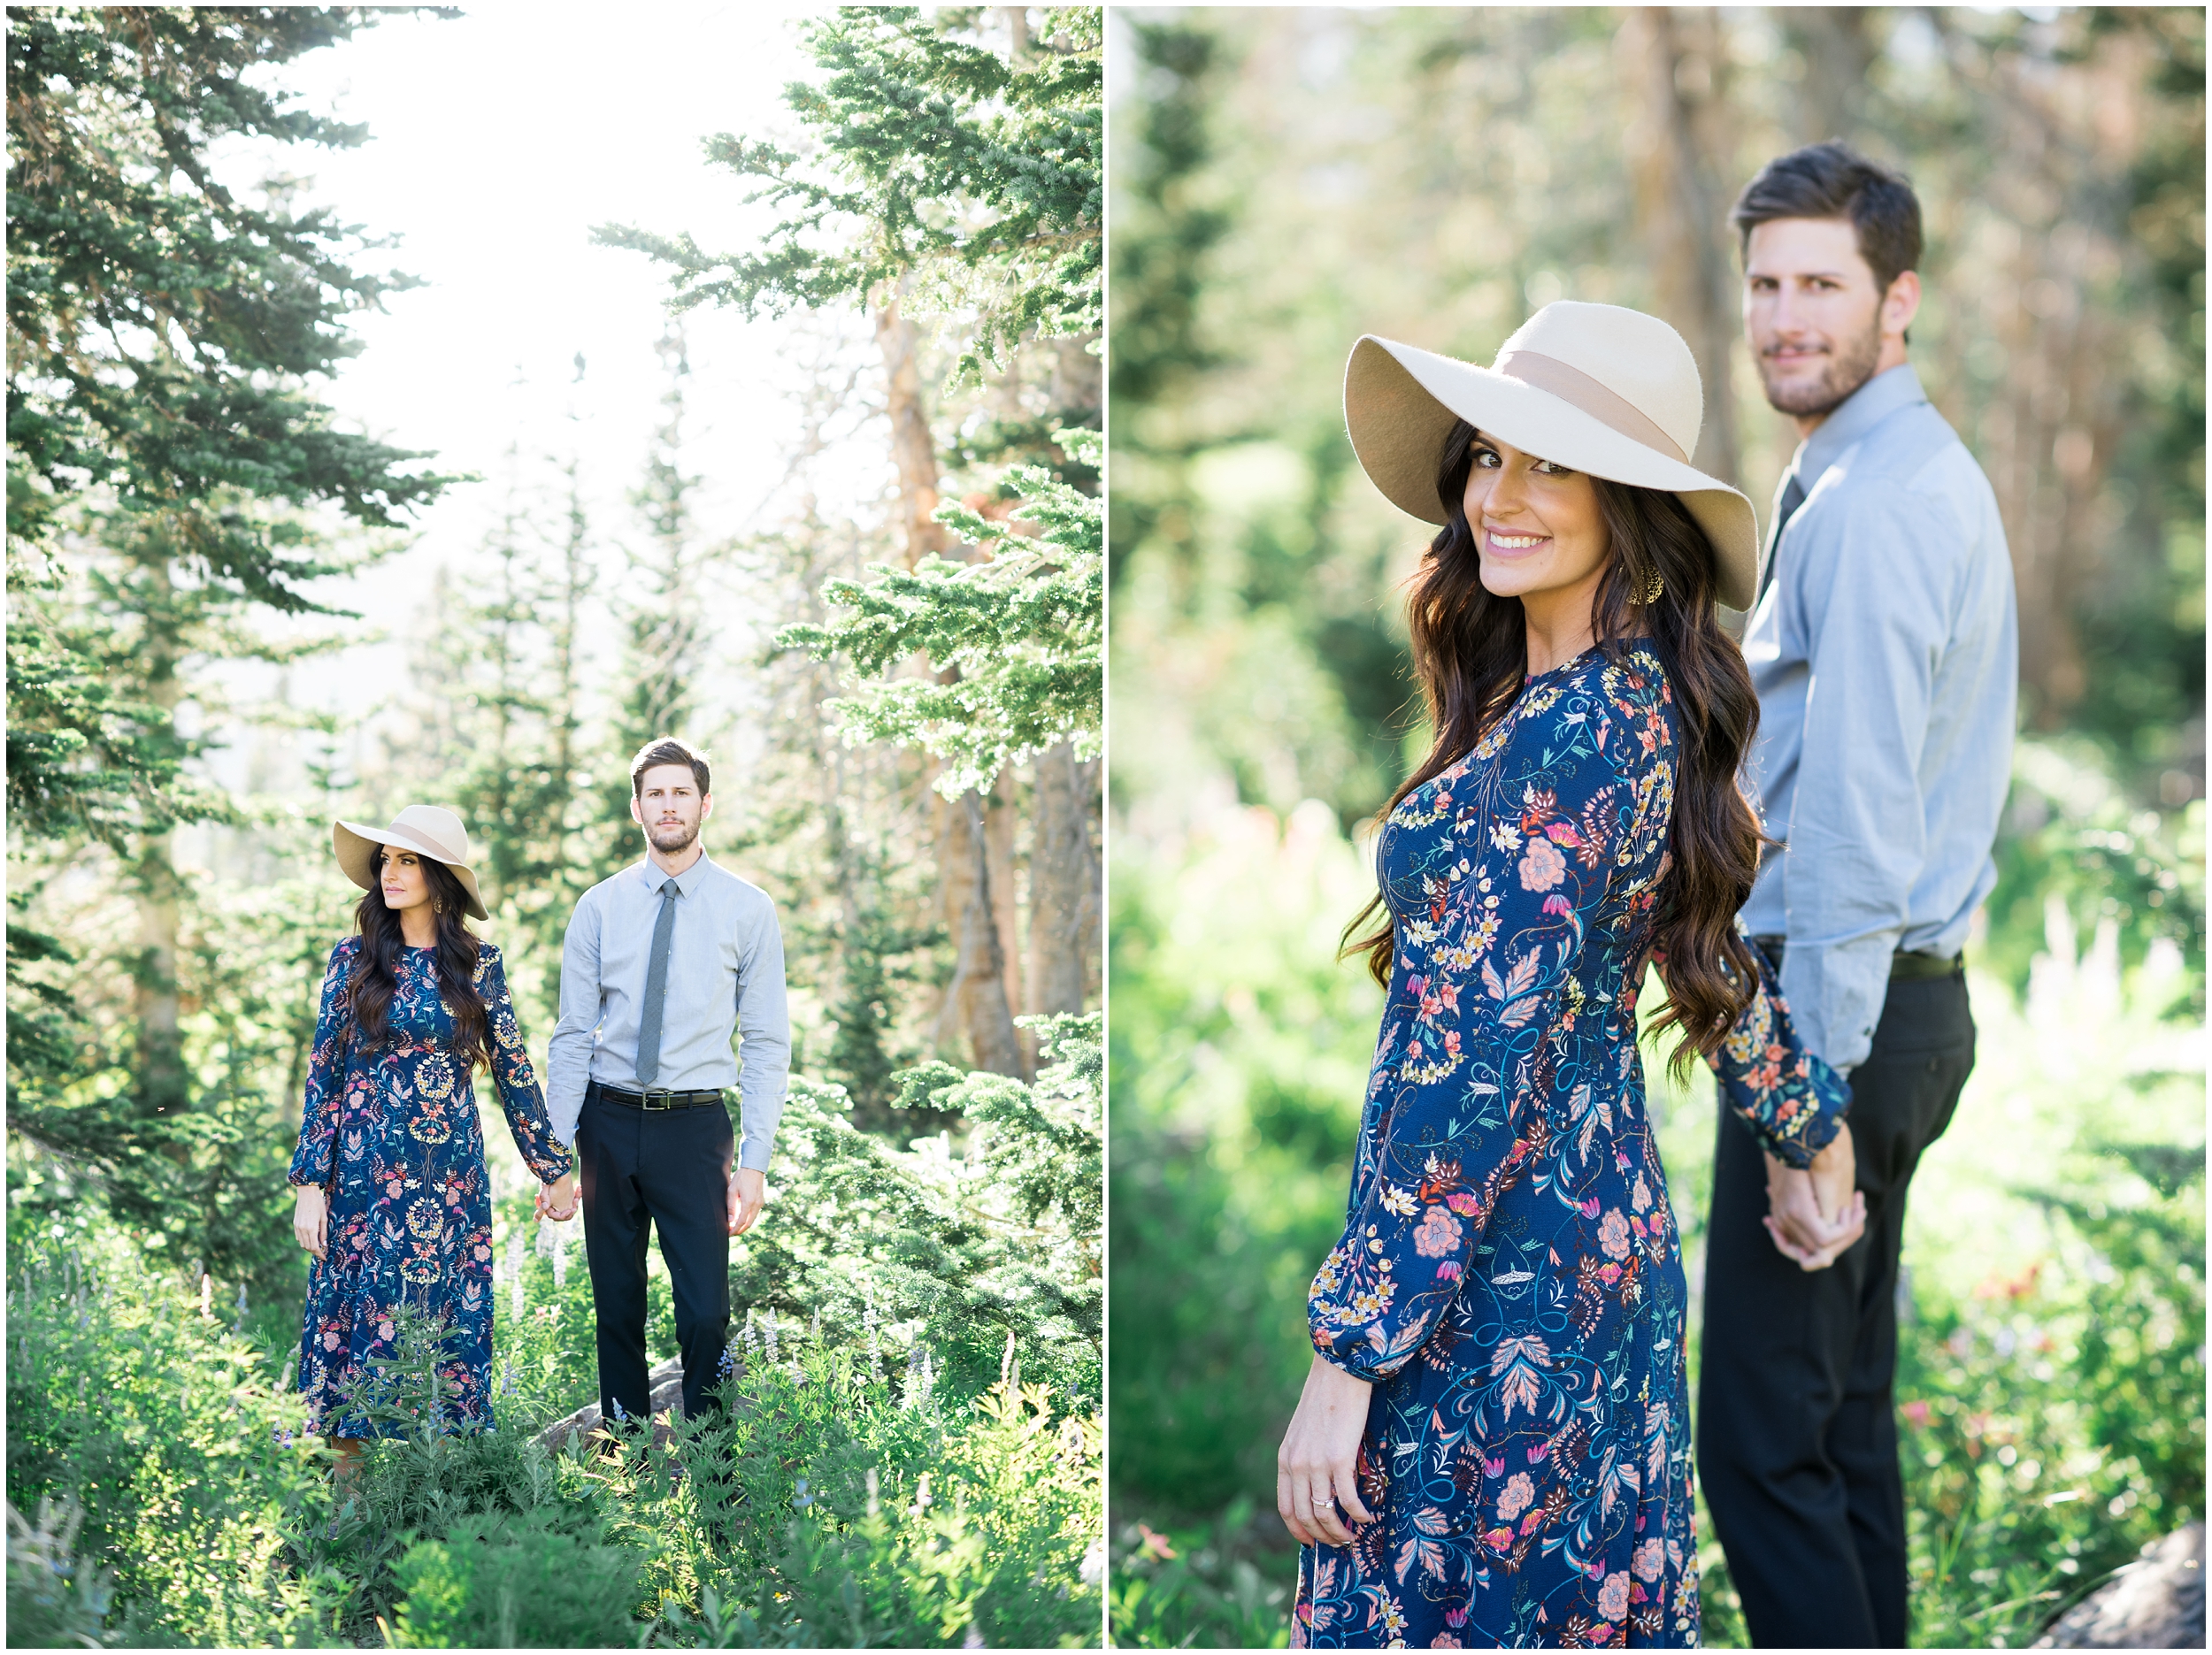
(1285, 180)
(894, 657)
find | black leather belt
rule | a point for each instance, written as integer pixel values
(655, 1098)
(1904, 966)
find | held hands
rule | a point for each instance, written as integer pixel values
(557, 1200)
(1816, 1214)
(1315, 1467)
(311, 1220)
(748, 1193)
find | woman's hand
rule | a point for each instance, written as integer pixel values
(311, 1220)
(1315, 1468)
(557, 1200)
(1816, 1214)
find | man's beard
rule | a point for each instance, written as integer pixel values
(666, 838)
(1850, 364)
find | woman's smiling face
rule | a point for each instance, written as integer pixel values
(1538, 527)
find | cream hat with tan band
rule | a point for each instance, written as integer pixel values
(1593, 388)
(427, 829)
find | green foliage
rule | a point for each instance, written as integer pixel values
(205, 1180)
(499, 1582)
(959, 1252)
(1016, 639)
(84, 753)
(1239, 1051)
(159, 327)
(924, 1525)
(934, 157)
(160, 331)
(1204, 1584)
(55, 1599)
(176, 1501)
(157, 1426)
(2077, 854)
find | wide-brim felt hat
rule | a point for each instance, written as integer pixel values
(1593, 388)
(428, 830)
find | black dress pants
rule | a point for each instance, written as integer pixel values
(668, 1169)
(1796, 1433)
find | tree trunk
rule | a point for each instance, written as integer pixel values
(161, 1077)
(1063, 901)
(1676, 69)
(161, 1088)
(979, 984)
(998, 838)
(1838, 52)
(912, 448)
(1077, 386)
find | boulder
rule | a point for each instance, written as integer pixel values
(665, 1385)
(2155, 1602)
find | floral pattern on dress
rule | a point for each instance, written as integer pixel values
(411, 1215)
(1509, 1276)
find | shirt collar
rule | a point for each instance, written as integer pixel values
(1858, 413)
(686, 883)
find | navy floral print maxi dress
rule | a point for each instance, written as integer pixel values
(411, 1213)
(1509, 1276)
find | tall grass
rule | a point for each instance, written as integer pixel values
(883, 1472)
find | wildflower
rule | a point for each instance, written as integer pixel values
(772, 1338)
(868, 1322)
(874, 1508)
(800, 1498)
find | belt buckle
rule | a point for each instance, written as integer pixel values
(648, 1093)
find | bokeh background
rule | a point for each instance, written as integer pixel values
(1284, 181)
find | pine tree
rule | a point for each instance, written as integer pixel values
(162, 441)
(949, 176)
(160, 330)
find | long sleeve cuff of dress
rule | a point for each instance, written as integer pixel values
(1344, 1363)
(1794, 1108)
(1359, 1334)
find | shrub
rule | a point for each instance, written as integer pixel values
(505, 1582)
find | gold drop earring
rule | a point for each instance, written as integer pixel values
(1653, 587)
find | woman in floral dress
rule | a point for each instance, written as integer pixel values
(394, 1201)
(1493, 1448)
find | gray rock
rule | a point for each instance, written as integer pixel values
(2155, 1602)
(665, 1385)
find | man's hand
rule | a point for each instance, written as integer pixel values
(1815, 1214)
(311, 1220)
(1316, 1470)
(557, 1200)
(748, 1193)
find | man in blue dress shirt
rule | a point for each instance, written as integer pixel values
(1884, 649)
(663, 963)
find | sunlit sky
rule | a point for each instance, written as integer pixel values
(497, 140)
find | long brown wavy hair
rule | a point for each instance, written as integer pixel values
(375, 977)
(1470, 655)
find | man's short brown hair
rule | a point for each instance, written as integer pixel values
(1833, 180)
(667, 750)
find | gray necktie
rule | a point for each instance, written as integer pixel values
(649, 1023)
(1793, 497)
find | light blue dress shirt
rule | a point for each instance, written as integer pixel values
(1886, 654)
(725, 976)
